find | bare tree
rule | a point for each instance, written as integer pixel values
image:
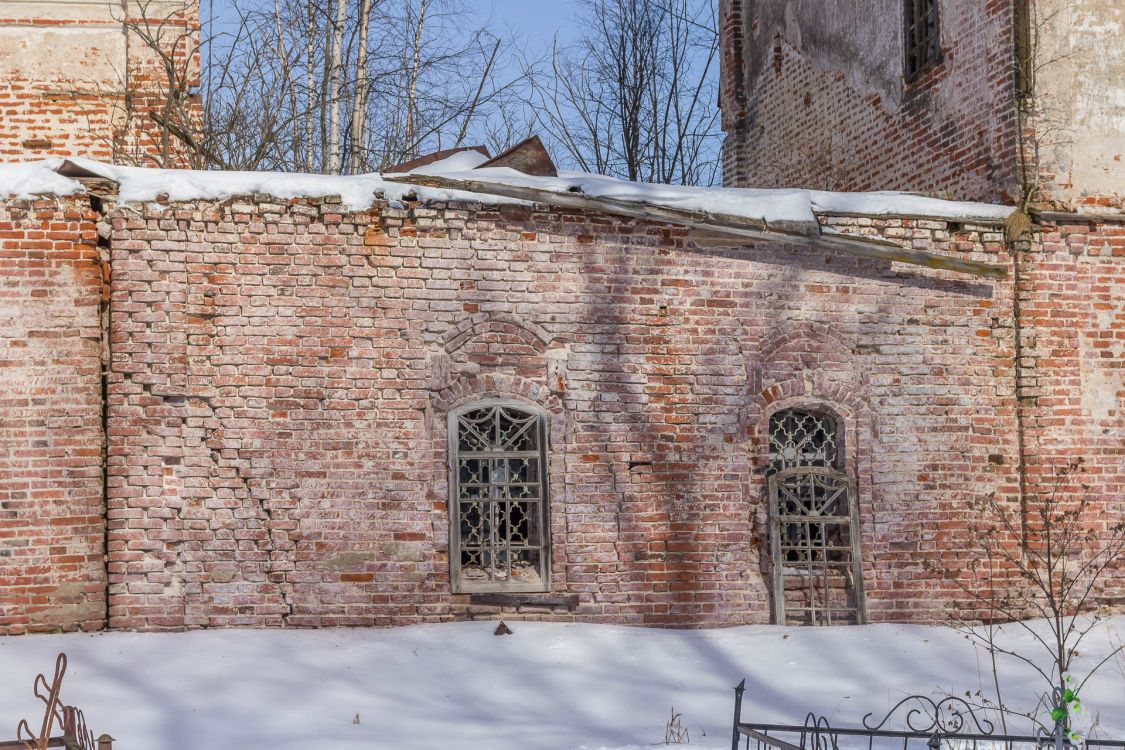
(633, 98)
(160, 110)
(310, 82)
(335, 71)
(412, 84)
(1046, 563)
(411, 76)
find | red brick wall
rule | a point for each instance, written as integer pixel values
(816, 98)
(282, 373)
(40, 121)
(52, 574)
(1072, 311)
(281, 376)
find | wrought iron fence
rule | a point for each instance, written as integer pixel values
(922, 722)
(67, 719)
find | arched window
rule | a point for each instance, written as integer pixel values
(814, 523)
(802, 438)
(498, 532)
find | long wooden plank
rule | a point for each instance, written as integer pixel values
(966, 218)
(735, 227)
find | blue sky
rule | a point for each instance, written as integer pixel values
(537, 20)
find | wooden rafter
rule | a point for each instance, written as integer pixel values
(729, 226)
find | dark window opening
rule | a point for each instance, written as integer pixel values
(499, 537)
(922, 35)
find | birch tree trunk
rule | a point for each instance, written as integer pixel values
(359, 108)
(412, 89)
(334, 75)
(310, 81)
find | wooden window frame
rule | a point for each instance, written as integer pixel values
(821, 469)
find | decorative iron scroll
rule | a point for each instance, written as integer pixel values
(950, 715)
(49, 694)
(818, 734)
(801, 438)
(75, 734)
(1057, 736)
(948, 722)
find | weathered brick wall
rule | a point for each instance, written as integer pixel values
(814, 96)
(1072, 313)
(281, 375)
(161, 36)
(60, 70)
(74, 81)
(52, 573)
(1075, 122)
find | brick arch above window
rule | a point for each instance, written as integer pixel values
(799, 347)
(492, 386)
(497, 342)
(817, 393)
(788, 334)
(496, 322)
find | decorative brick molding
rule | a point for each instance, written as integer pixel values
(501, 322)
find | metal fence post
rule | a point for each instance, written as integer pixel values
(105, 742)
(739, 689)
(69, 724)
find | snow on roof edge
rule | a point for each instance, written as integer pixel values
(359, 192)
(27, 180)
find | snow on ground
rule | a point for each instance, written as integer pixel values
(785, 208)
(545, 687)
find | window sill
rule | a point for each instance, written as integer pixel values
(491, 587)
(522, 599)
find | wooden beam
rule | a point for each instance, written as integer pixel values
(735, 227)
(1068, 217)
(988, 221)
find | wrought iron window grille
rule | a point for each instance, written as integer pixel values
(922, 33)
(814, 523)
(499, 524)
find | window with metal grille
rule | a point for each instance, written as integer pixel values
(814, 523)
(498, 529)
(801, 438)
(922, 35)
